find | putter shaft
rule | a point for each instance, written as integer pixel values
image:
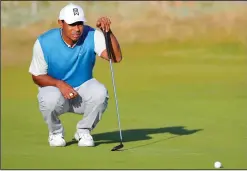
(108, 43)
(116, 101)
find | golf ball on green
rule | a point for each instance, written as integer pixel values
(217, 164)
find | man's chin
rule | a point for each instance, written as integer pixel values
(75, 39)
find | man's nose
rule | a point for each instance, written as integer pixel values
(77, 27)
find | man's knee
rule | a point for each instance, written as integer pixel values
(99, 94)
(50, 99)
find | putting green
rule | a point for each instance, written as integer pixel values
(182, 106)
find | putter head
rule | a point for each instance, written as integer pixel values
(116, 148)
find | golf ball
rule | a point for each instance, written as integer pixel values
(217, 164)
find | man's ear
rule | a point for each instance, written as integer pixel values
(60, 22)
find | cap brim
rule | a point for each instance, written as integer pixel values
(74, 21)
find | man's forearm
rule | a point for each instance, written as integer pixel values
(45, 80)
(116, 47)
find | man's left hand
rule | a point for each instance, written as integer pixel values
(103, 23)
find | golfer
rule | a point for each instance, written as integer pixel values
(62, 67)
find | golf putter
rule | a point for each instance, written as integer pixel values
(112, 57)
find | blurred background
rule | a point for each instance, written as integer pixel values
(184, 66)
(136, 21)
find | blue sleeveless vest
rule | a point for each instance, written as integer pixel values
(72, 65)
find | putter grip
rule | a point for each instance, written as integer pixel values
(109, 48)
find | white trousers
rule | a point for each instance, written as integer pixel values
(91, 102)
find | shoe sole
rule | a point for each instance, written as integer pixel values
(58, 145)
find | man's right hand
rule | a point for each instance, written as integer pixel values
(67, 91)
(45, 80)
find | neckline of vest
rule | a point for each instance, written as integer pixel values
(60, 31)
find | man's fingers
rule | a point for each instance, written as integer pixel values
(66, 96)
(75, 93)
(104, 23)
(103, 26)
(108, 23)
(98, 24)
(69, 94)
(67, 91)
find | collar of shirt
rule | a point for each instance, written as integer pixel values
(65, 42)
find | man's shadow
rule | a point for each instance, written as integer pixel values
(138, 135)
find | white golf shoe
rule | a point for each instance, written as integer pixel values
(84, 139)
(56, 140)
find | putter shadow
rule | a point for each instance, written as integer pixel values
(139, 135)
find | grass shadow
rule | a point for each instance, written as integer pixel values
(138, 135)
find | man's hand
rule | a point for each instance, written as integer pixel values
(103, 23)
(67, 91)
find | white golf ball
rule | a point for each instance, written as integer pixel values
(217, 164)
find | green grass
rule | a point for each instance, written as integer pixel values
(182, 106)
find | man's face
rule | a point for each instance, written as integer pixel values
(72, 31)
